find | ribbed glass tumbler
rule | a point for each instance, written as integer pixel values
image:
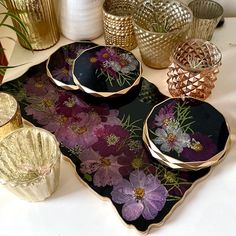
(39, 19)
(118, 25)
(206, 16)
(159, 25)
(193, 70)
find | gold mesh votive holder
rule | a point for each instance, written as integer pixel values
(206, 16)
(118, 26)
(195, 64)
(10, 116)
(159, 25)
(30, 163)
(39, 18)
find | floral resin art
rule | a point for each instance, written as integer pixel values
(102, 137)
(59, 64)
(189, 130)
(106, 71)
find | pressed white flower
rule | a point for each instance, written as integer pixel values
(171, 139)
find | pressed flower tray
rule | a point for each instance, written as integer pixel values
(103, 139)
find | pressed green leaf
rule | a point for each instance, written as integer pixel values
(16, 18)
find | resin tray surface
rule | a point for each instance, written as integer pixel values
(103, 139)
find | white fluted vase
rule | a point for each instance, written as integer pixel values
(81, 19)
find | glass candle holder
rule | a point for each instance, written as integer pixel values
(10, 116)
(195, 64)
(159, 25)
(206, 16)
(30, 163)
(118, 26)
(39, 19)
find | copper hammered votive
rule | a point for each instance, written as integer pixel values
(159, 25)
(193, 70)
(30, 163)
(10, 116)
(206, 16)
(118, 26)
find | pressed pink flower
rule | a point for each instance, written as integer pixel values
(105, 169)
(80, 131)
(38, 86)
(69, 105)
(165, 115)
(111, 140)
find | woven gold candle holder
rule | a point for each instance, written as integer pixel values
(10, 116)
(118, 26)
(194, 68)
(159, 26)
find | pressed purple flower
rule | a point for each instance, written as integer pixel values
(111, 140)
(171, 139)
(201, 148)
(105, 54)
(38, 86)
(70, 105)
(107, 116)
(141, 195)
(62, 74)
(105, 169)
(165, 115)
(132, 160)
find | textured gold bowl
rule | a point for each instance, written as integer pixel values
(30, 163)
(10, 116)
(159, 25)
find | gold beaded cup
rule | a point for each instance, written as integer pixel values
(195, 64)
(160, 25)
(118, 26)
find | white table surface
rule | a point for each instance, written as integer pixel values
(74, 210)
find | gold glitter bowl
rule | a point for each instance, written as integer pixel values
(194, 68)
(10, 116)
(30, 163)
(159, 25)
(118, 25)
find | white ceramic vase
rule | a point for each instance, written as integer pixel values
(81, 19)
